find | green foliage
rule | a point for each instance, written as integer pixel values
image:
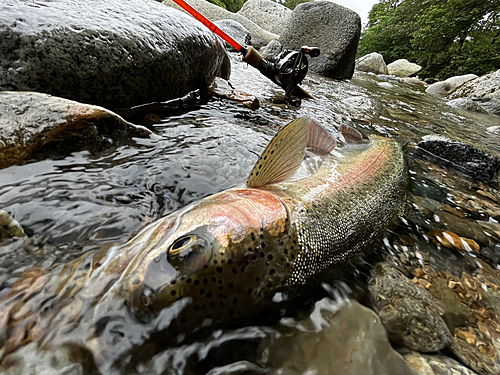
(231, 5)
(292, 3)
(446, 37)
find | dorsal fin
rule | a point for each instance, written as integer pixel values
(284, 154)
(351, 135)
(320, 142)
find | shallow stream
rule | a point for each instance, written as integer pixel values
(84, 201)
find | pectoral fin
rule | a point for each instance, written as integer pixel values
(283, 155)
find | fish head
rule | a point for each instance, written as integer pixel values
(208, 254)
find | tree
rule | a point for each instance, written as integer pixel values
(446, 37)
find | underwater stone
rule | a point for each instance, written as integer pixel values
(463, 157)
(411, 316)
(110, 53)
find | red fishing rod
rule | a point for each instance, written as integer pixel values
(289, 71)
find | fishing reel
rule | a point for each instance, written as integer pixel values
(288, 72)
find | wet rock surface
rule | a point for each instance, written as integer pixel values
(485, 90)
(34, 123)
(445, 87)
(466, 104)
(112, 54)
(268, 14)
(463, 157)
(216, 13)
(332, 28)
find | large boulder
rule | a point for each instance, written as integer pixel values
(216, 13)
(34, 123)
(112, 53)
(484, 90)
(403, 68)
(332, 28)
(444, 88)
(372, 63)
(269, 15)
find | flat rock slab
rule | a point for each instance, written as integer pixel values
(332, 28)
(31, 123)
(111, 53)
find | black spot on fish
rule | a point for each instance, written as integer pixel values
(254, 257)
(188, 281)
(270, 257)
(285, 251)
(257, 173)
(221, 304)
(235, 270)
(235, 301)
(209, 295)
(221, 287)
(263, 245)
(272, 271)
(219, 269)
(215, 262)
(183, 320)
(174, 282)
(214, 279)
(205, 281)
(196, 282)
(230, 285)
(249, 291)
(230, 261)
(262, 254)
(202, 292)
(219, 282)
(243, 269)
(257, 278)
(173, 292)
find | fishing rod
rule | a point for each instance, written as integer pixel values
(288, 73)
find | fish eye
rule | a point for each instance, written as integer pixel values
(189, 252)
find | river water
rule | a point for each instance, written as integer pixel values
(71, 204)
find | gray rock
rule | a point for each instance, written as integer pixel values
(269, 15)
(484, 90)
(463, 157)
(216, 13)
(332, 28)
(238, 32)
(33, 122)
(110, 53)
(410, 315)
(403, 68)
(443, 88)
(372, 63)
(466, 104)
(272, 51)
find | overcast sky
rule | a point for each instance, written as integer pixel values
(362, 7)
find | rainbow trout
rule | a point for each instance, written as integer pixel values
(219, 261)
